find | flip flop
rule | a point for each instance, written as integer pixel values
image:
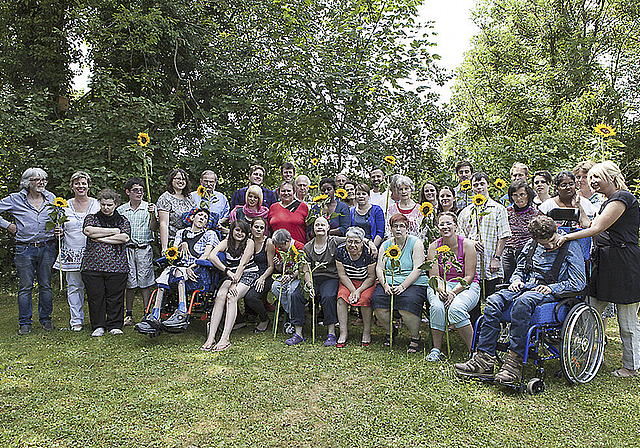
(223, 347)
(624, 373)
(205, 349)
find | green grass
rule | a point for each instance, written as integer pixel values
(63, 389)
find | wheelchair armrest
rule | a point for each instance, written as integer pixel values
(502, 286)
(205, 263)
(567, 298)
(161, 262)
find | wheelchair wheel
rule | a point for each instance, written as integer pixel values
(582, 347)
(536, 386)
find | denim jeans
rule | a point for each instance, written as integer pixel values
(458, 312)
(327, 288)
(524, 303)
(288, 290)
(31, 263)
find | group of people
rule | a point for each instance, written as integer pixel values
(364, 246)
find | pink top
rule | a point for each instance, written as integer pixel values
(453, 272)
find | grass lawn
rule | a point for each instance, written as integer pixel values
(64, 389)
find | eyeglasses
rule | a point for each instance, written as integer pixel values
(137, 190)
(567, 185)
(38, 180)
(399, 226)
(538, 182)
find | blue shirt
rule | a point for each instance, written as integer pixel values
(220, 207)
(30, 222)
(572, 272)
(343, 219)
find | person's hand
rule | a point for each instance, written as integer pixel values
(191, 275)
(12, 229)
(450, 297)
(494, 266)
(479, 247)
(354, 297)
(399, 289)
(151, 208)
(259, 284)
(235, 277)
(560, 241)
(387, 289)
(233, 290)
(286, 278)
(516, 286)
(58, 231)
(373, 249)
(184, 249)
(542, 289)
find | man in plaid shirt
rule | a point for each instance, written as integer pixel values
(488, 225)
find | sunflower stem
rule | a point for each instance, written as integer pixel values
(275, 320)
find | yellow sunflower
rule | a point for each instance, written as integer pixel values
(393, 252)
(171, 253)
(478, 199)
(315, 161)
(426, 208)
(500, 184)
(60, 202)
(201, 191)
(320, 198)
(604, 130)
(143, 139)
(443, 249)
(312, 187)
(465, 185)
(342, 193)
(390, 160)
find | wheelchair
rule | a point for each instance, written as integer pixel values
(569, 330)
(200, 300)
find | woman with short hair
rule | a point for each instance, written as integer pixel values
(519, 213)
(447, 200)
(289, 214)
(407, 207)
(369, 217)
(568, 198)
(104, 264)
(541, 183)
(342, 219)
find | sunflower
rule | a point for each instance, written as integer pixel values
(315, 161)
(143, 139)
(171, 253)
(312, 187)
(390, 160)
(342, 193)
(426, 209)
(60, 202)
(604, 130)
(500, 184)
(443, 249)
(478, 199)
(393, 252)
(320, 198)
(201, 191)
(465, 185)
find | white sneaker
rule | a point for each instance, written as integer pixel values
(98, 332)
(115, 331)
(128, 321)
(77, 327)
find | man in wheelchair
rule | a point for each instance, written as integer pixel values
(193, 243)
(542, 274)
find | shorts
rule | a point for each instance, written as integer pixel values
(141, 273)
(365, 296)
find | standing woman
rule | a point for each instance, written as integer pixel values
(74, 242)
(616, 270)
(568, 197)
(447, 200)
(456, 300)
(350, 188)
(104, 264)
(342, 221)
(172, 204)
(519, 213)
(406, 206)
(429, 193)
(369, 217)
(241, 272)
(541, 184)
(263, 256)
(289, 213)
(252, 207)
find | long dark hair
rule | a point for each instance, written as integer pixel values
(423, 199)
(236, 248)
(454, 208)
(169, 185)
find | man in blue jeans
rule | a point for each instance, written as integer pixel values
(542, 272)
(35, 246)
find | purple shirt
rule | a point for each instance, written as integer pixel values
(30, 222)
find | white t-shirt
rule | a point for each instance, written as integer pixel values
(550, 204)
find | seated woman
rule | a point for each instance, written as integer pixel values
(447, 200)
(241, 273)
(289, 214)
(193, 243)
(342, 220)
(455, 300)
(519, 213)
(368, 217)
(263, 255)
(406, 207)
(320, 250)
(568, 198)
(252, 207)
(407, 282)
(104, 264)
(356, 268)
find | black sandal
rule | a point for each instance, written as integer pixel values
(387, 339)
(414, 345)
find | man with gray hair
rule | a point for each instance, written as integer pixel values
(302, 188)
(35, 245)
(214, 201)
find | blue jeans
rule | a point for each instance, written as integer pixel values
(293, 288)
(31, 262)
(327, 288)
(524, 303)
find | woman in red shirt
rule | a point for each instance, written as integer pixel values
(289, 213)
